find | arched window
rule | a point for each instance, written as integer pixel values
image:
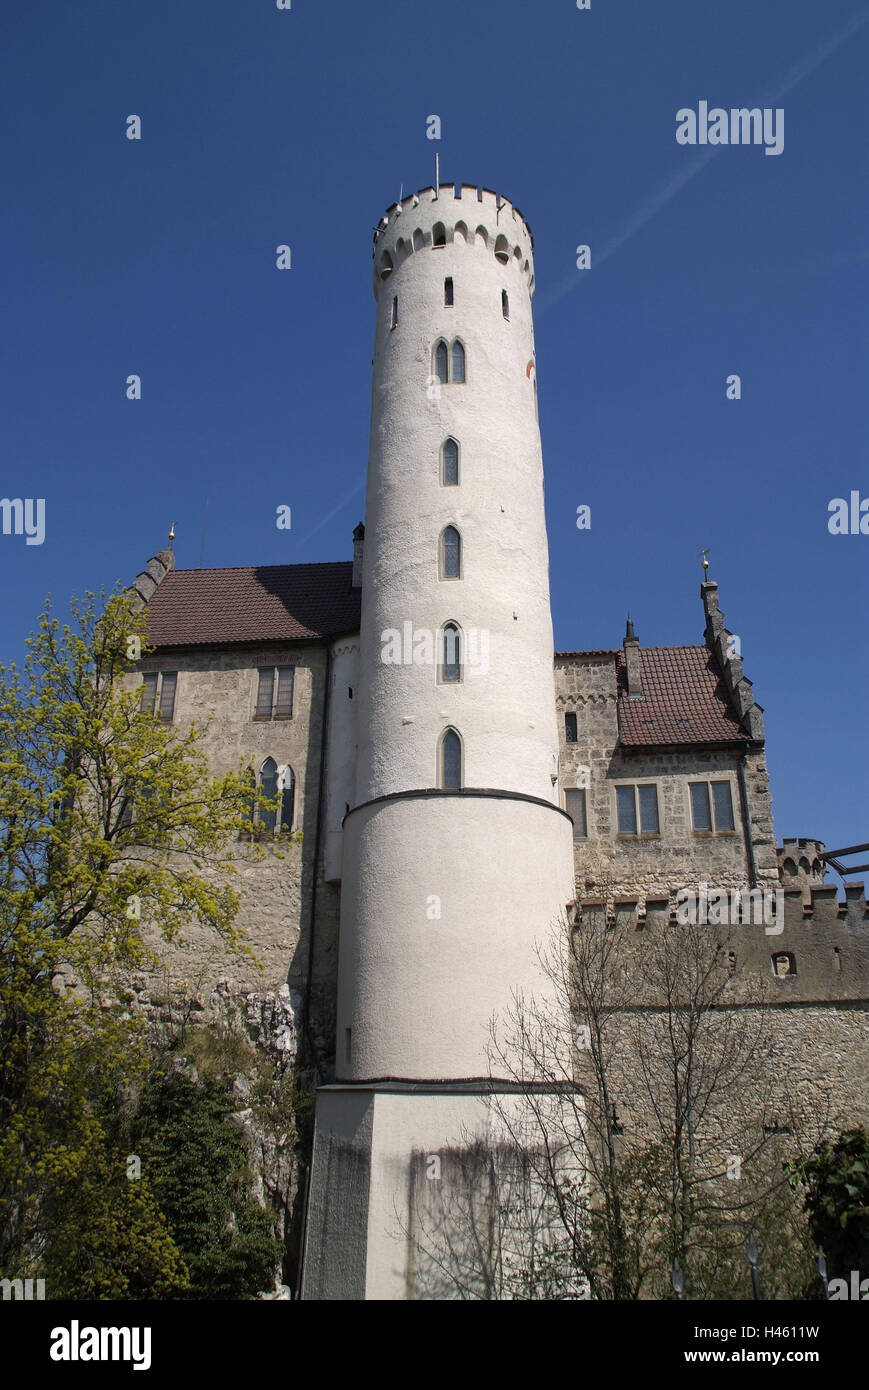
(418, 239)
(505, 304)
(460, 233)
(439, 234)
(450, 653)
(451, 553)
(448, 291)
(450, 769)
(274, 782)
(450, 463)
(441, 360)
(481, 237)
(502, 250)
(385, 266)
(458, 362)
(269, 787)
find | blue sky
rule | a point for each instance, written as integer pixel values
(263, 127)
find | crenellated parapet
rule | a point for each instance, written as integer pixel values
(780, 948)
(455, 215)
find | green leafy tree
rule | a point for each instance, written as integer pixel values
(198, 1165)
(112, 834)
(835, 1179)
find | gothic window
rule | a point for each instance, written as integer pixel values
(711, 806)
(158, 694)
(448, 291)
(450, 463)
(570, 727)
(450, 653)
(439, 234)
(274, 697)
(574, 804)
(441, 360)
(458, 362)
(451, 761)
(505, 304)
(279, 785)
(637, 808)
(451, 553)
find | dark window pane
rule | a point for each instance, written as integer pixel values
(458, 362)
(395, 312)
(441, 362)
(149, 693)
(452, 545)
(723, 803)
(448, 291)
(505, 304)
(284, 700)
(451, 755)
(167, 695)
(451, 655)
(570, 728)
(700, 806)
(575, 806)
(288, 799)
(451, 462)
(627, 810)
(648, 810)
(264, 693)
(269, 785)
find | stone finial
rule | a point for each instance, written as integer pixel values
(358, 547)
(631, 646)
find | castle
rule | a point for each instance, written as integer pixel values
(456, 784)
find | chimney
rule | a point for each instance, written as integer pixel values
(631, 647)
(358, 545)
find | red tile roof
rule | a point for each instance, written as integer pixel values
(260, 603)
(684, 700)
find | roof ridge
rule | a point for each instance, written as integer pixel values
(285, 565)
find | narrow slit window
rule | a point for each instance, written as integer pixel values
(450, 463)
(505, 304)
(269, 786)
(451, 761)
(394, 323)
(451, 553)
(451, 660)
(570, 731)
(448, 291)
(458, 362)
(441, 360)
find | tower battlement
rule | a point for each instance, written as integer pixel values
(456, 215)
(820, 953)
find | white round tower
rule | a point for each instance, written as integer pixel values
(457, 856)
(457, 859)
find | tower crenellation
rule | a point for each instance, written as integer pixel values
(467, 217)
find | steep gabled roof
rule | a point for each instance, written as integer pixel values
(257, 603)
(684, 700)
